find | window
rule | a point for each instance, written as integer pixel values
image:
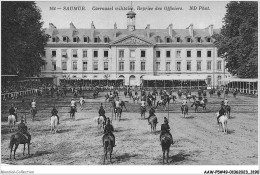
(199, 53)
(219, 65)
(86, 39)
(168, 66)
(54, 65)
(96, 39)
(209, 53)
(178, 54)
(95, 65)
(178, 66)
(132, 66)
(209, 81)
(121, 66)
(158, 54)
(168, 54)
(142, 66)
(105, 65)
(74, 54)
(95, 53)
(64, 65)
(208, 40)
(157, 64)
(74, 65)
(106, 40)
(54, 39)
(53, 53)
(85, 66)
(189, 66)
(199, 39)
(178, 39)
(189, 40)
(208, 65)
(105, 53)
(64, 53)
(85, 54)
(75, 39)
(219, 79)
(188, 53)
(142, 53)
(132, 53)
(121, 53)
(168, 39)
(65, 39)
(198, 65)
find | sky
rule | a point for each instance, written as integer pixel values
(158, 19)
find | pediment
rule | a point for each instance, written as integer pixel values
(132, 40)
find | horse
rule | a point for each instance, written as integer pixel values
(223, 122)
(130, 94)
(100, 120)
(166, 144)
(95, 94)
(179, 94)
(33, 113)
(108, 146)
(198, 104)
(150, 101)
(118, 113)
(107, 98)
(211, 92)
(143, 110)
(82, 102)
(184, 110)
(173, 97)
(218, 93)
(153, 99)
(226, 92)
(153, 122)
(204, 94)
(234, 94)
(72, 112)
(11, 122)
(135, 98)
(191, 97)
(161, 103)
(122, 105)
(227, 109)
(54, 123)
(17, 139)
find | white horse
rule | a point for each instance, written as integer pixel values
(11, 122)
(100, 120)
(223, 122)
(54, 123)
(81, 102)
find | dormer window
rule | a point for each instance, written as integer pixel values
(86, 39)
(188, 40)
(208, 39)
(178, 39)
(157, 39)
(65, 39)
(75, 39)
(96, 39)
(106, 40)
(54, 39)
(168, 39)
(199, 39)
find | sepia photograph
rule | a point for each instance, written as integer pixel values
(123, 84)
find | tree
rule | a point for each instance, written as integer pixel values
(23, 39)
(237, 42)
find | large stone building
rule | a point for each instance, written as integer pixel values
(131, 53)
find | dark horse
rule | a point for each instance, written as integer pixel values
(153, 122)
(218, 93)
(184, 110)
(72, 112)
(108, 146)
(143, 110)
(33, 112)
(95, 94)
(17, 139)
(234, 94)
(166, 144)
(198, 104)
(179, 94)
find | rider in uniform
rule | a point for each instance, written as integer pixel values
(221, 112)
(151, 113)
(165, 128)
(12, 111)
(54, 112)
(109, 129)
(143, 105)
(225, 102)
(117, 103)
(22, 128)
(184, 102)
(73, 105)
(34, 105)
(102, 112)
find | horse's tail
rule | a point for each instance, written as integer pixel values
(11, 141)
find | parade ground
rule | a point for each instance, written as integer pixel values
(197, 140)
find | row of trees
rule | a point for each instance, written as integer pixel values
(23, 39)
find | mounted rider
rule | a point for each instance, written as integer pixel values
(165, 128)
(73, 105)
(117, 103)
(184, 102)
(54, 112)
(221, 112)
(202, 101)
(143, 106)
(13, 111)
(109, 129)
(102, 112)
(34, 106)
(23, 129)
(151, 113)
(225, 102)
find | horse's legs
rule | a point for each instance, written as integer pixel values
(163, 155)
(23, 148)
(15, 148)
(167, 155)
(11, 149)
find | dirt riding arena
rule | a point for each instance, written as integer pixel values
(197, 139)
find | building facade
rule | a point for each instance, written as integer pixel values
(131, 53)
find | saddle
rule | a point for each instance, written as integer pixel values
(24, 135)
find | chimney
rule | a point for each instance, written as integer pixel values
(72, 27)
(170, 30)
(115, 30)
(92, 31)
(210, 29)
(148, 30)
(51, 26)
(190, 30)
